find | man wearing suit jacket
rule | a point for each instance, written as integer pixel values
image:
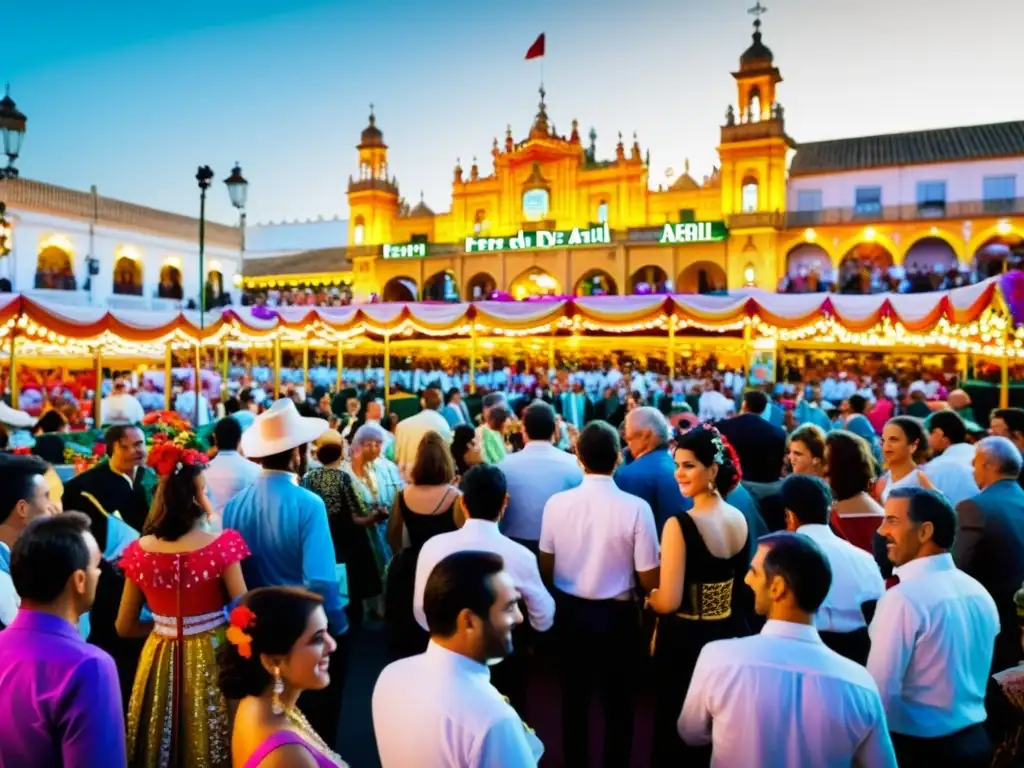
(760, 445)
(990, 541)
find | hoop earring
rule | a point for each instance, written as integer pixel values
(275, 703)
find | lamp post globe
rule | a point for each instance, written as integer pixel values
(12, 130)
(238, 187)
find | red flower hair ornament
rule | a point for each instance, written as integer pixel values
(168, 458)
(239, 620)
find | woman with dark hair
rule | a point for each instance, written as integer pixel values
(278, 646)
(850, 470)
(49, 445)
(465, 449)
(423, 509)
(704, 557)
(904, 443)
(350, 523)
(186, 575)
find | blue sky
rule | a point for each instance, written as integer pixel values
(134, 96)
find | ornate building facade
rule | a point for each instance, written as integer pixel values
(553, 218)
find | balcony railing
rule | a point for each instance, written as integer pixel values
(773, 219)
(963, 209)
(752, 131)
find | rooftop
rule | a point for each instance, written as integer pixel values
(943, 145)
(320, 260)
(31, 195)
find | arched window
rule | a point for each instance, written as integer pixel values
(358, 231)
(127, 276)
(535, 204)
(480, 223)
(749, 202)
(602, 212)
(754, 106)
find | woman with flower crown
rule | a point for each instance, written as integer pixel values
(177, 715)
(704, 559)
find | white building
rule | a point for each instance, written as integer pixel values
(143, 258)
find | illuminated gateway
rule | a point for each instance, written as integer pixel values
(551, 217)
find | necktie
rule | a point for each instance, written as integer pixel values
(892, 581)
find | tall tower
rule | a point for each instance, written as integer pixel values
(754, 143)
(373, 196)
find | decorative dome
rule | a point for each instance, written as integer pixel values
(372, 135)
(421, 210)
(758, 55)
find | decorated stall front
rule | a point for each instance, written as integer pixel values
(754, 325)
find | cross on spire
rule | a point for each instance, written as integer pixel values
(757, 12)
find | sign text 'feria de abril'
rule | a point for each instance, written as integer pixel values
(542, 238)
(406, 251)
(692, 232)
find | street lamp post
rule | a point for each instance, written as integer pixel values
(238, 191)
(204, 176)
(12, 131)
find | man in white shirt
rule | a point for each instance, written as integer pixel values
(782, 699)
(535, 474)
(952, 469)
(932, 638)
(596, 543)
(229, 472)
(842, 619)
(185, 405)
(484, 500)
(121, 407)
(410, 432)
(713, 405)
(439, 708)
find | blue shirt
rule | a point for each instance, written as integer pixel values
(534, 475)
(286, 529)
(652, 478)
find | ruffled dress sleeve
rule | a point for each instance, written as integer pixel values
(133, 562)
(230, 548)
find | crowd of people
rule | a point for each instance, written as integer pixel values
(829, 576)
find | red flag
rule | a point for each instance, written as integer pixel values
(537, 49)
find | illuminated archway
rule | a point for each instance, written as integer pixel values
(127, 276)
(441, 287)
(400, 289)
(653, 277)
(994, 252)
(930, 255)
(702, 277)
(534, 282)
(480, 287)
(358, 230)
(214, 288)
(596, 282)
(53, 268)
(858, 264)
(170, 283)
(805, 258)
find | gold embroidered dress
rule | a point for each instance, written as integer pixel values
(708, 612)
(177, 715)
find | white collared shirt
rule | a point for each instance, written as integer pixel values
(121, 408)
(601, 538)
(952, 473)
(410, 432)
(783, 699)
(534, 475)
(228, 473)
(932, 640)
(439, 709)
(484, 536)
(855, 580)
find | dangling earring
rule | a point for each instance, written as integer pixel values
(275, 702)
(711, 487)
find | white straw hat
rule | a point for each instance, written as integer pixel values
(280, 428)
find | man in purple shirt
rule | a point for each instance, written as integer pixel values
(60, 702)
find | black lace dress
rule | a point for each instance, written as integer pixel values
(407, 637)
(712, 609)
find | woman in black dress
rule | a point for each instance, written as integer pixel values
(704, 558)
